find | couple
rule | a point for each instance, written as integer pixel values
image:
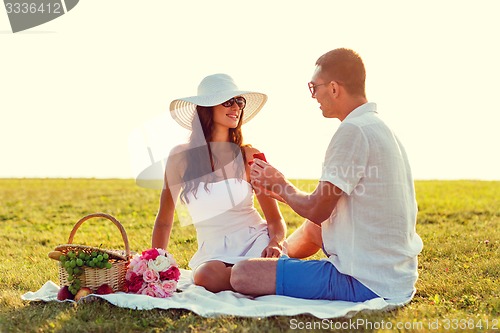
(364, 221)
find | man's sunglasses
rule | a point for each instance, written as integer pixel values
(312, 87)
(240, 101)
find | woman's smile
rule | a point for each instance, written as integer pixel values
(233, 116)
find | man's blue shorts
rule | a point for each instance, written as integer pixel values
(318, 279)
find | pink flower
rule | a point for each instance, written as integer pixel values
(134, 282)
(140, 267)
(173, 273)
(129, 275)
(151, 276)
(154, 273)
(135, 287)
(158, 290)
(135, 260)
(150, 254)
(153, 290)
(169, 287)
(137, 265)
(147, 290)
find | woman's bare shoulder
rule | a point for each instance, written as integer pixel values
(249, 151)
(179, 148)
(177, 156)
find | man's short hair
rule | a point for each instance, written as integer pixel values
(346, 67)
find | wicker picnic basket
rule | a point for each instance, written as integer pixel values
(93, 278)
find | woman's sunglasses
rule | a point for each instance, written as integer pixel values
(240, 101)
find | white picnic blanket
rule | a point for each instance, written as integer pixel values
(207, 304)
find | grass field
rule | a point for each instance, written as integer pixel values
(459, 284)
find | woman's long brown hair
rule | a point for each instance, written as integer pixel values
(199, 159)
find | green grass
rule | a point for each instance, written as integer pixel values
(459, 266)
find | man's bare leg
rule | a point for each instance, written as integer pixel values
(255, 277)
(305, 241)
(213, 275)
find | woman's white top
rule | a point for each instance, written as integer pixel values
(228, 226)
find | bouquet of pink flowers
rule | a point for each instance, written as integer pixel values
(153, 273)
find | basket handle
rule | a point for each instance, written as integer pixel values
(107, 216)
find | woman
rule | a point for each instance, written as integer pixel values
(210, 176)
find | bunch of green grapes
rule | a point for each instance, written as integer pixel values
(73, 262)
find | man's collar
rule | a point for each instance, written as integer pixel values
(362, 109)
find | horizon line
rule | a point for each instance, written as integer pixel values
(291, 178)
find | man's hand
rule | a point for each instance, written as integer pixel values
(267, 179)
(268, 193)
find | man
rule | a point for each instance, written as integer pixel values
(362, 213)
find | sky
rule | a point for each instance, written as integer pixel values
(87, 94)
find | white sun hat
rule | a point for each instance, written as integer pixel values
(214, 90)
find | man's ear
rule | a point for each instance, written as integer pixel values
(336, 88)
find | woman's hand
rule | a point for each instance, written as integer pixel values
(273, 250)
